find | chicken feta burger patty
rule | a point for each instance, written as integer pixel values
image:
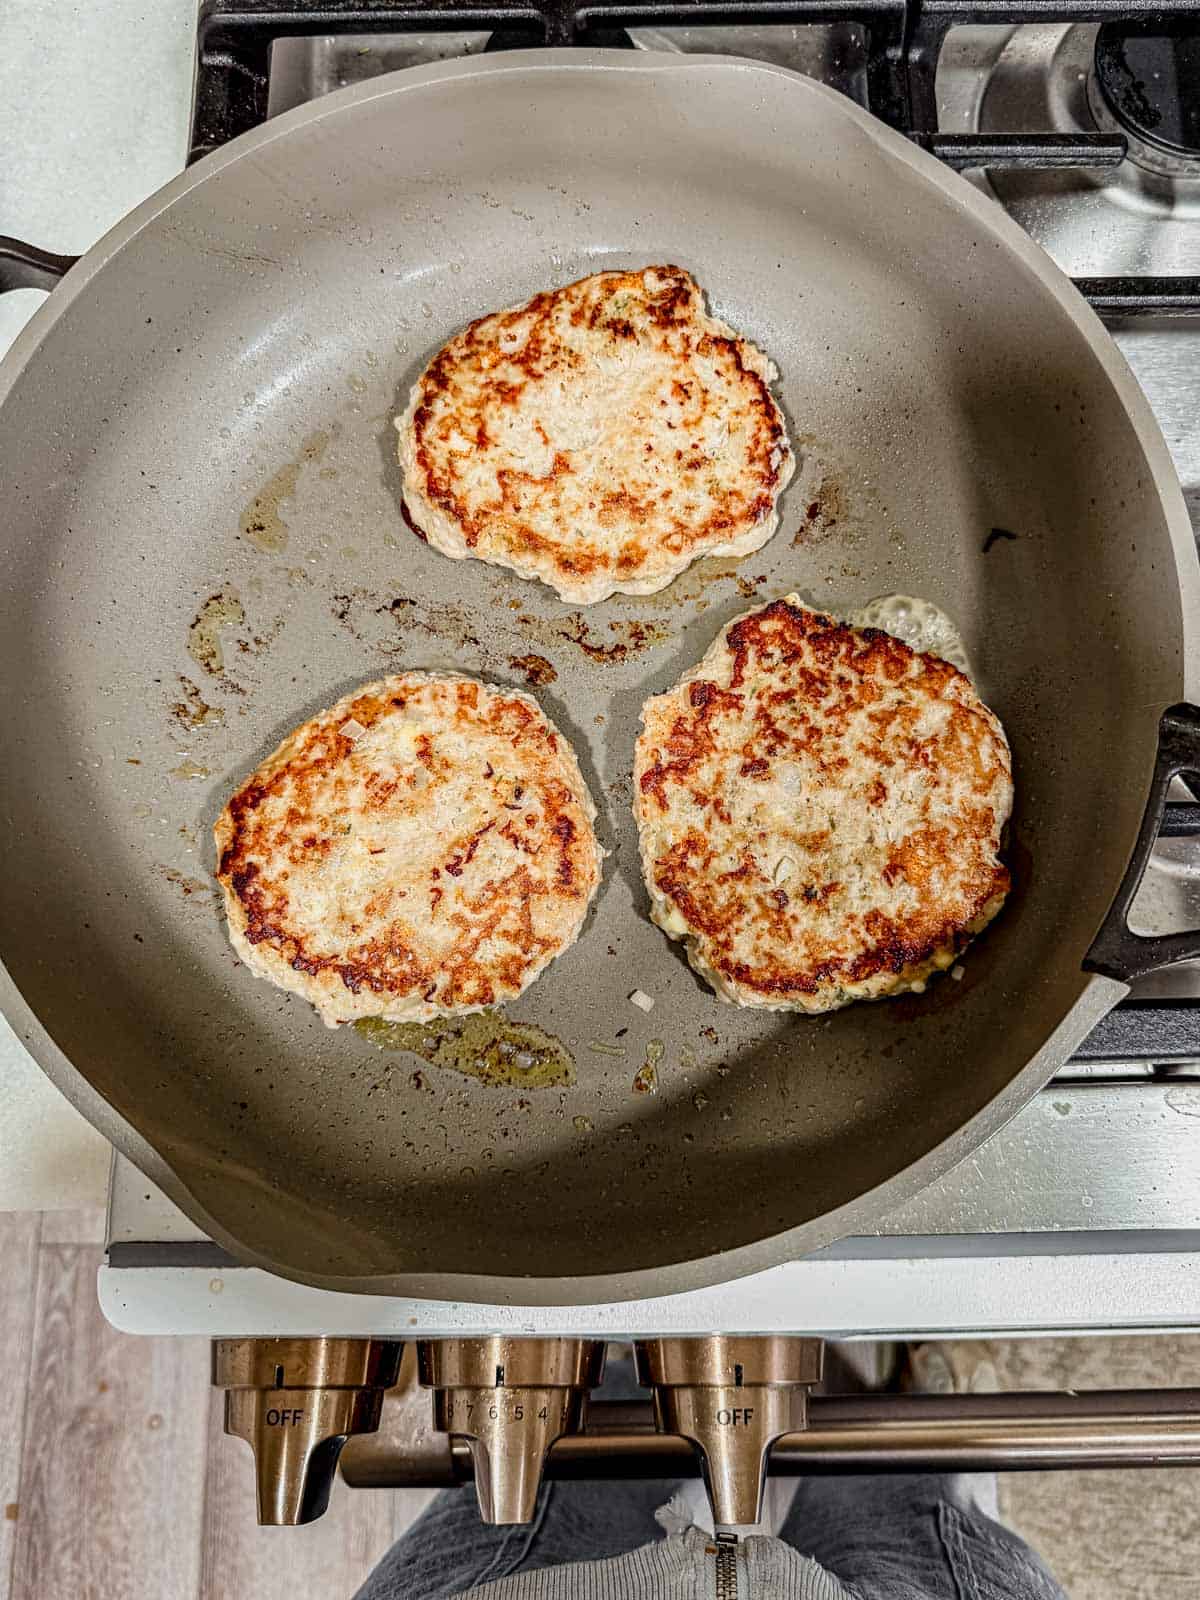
(820, 809)
(600, 438)
(421, 849)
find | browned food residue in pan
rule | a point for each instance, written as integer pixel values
(193, 711)
(622, 639)
(620, 790)
(537, 670)
(383, 624)
(453, 624)
(221, 610)
(483, 1045)
(262, 642)
(187, 886)
(824, 512)
(261, 522)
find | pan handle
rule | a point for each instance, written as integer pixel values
(24, 266)
(1116, 951)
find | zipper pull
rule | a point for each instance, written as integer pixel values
(727, 1582)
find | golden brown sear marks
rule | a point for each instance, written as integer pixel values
(422, 848)
(538, 672)
(600, 437)
(820, 810)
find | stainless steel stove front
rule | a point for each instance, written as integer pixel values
(1083, 1215)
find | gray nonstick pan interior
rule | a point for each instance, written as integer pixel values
(201, 429)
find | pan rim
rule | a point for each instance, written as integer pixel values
(987, 213)
(1098, 994)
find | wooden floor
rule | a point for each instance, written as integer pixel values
(118, 1484)
(116, 1479)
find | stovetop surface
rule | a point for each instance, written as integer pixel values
(1085, 1211)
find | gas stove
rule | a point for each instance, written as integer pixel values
(1084, 1213)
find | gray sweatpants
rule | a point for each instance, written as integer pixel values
(852, 1538)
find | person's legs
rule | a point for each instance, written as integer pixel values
(920, 1537)
(449, 1549)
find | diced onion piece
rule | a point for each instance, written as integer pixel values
(641, 1000)
(352, 729)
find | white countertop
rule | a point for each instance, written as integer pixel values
(95, 99)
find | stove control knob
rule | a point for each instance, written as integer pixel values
(732, 1397)
(295, 1402)
(510, 1399)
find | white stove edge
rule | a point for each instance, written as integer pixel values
(913, 1297)
(1040, 1231)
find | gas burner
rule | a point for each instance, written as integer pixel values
(1145, 83)
(1142, 216)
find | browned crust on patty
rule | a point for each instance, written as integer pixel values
(795, 682)
(659, 508)
(289, 829)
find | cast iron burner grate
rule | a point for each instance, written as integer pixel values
(903, 41)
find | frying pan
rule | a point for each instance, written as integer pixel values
(203, 409)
